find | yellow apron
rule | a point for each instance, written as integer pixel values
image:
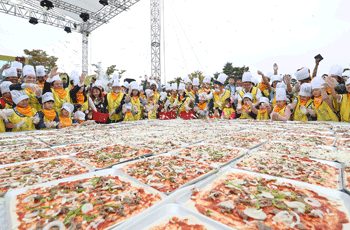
(182, 104)
(113, 105)
(136, 103)
(129, 118)
(85, 105)
(298, 115)
(262, 116)
(27, 126)
(33, 101)
(246, 115)
(153, 113)
(48, 120)
(281, 112)
(324, 112)
(228, 112)
(60, 101)
(253, 91)
(345, 109)
(219, 102)
(265, 93)
(2, 126)
(190, 94)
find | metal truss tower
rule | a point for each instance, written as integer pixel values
(155, 37)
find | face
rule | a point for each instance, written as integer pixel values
(95, 92)
(216, 113)
(174, 93)
(316, 92)
(247, 86)
(206, 85)
(7, 95)
(261, 106)
(335, 77)
(304, 81)
(57, 85)
(24, 103)
(181, 92)
(188, 86)
(239, 83)
(348, 88)
(135, 92)
(12, 79)
(168, 92)
(324, 76)
(48, 105)
(246, 100)
(19, 73)
(201, 101)
(64, 80)
(93, 80)
(227, 104)
(116, 89)
(304, 98)
(217, 86)
(274, 84)
(153, 87)
(195, 88)
(142, 92)
(64, 113)
(231, 81)
(80, 109)
(40, 79)
(280, 103)
(30, 79)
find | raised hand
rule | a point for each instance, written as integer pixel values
(275, 67)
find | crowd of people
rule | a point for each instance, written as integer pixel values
(31, 99)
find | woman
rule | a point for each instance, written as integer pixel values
(97, 98)
(133, 96)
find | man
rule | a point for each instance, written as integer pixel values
(19, 67)
(64, 82)
(247, 87)
(40, 75)
(220, 94)
(114, 102)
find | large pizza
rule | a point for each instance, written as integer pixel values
(23, 147)
(243, 201)
(90, 203)
(343, 143)
(347, 177)
(239, 142)
(314, 139)
(179, 223)
(26, 155)
(292, 167)
(77, 148)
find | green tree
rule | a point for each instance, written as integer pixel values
(40, 57)
(228, 69)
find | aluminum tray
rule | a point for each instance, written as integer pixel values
(117, 167)
(145, 222)
(11, 195)
(344, 178)
(139, 145)
(330, 163)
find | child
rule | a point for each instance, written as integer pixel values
(152, 105)
(322, 103)
(217, 113)
(230, 86)
(135, 99)
(65, 120)
(6, 101)
(79, 116)
(229, 111)
(23, 117)
(343, 99)
(48, 116)
(202, 109)
(281, 112)
(263, 113)
(245, 111)
(128, 114)
(183, 101)
(3, 118)
(302, 104)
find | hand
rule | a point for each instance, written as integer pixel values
(6, 66)
(331, 82)
(124, 109)
(146, 77)
(275, 67)
(135, 109)
(250, 104)
(32, 86)
(7, 112)
(76, 124)
(3, 116)
(287, 78)
(53, 124)
(112, 113)
(47, 124)
(38, 92)
(54, 72)
(317, 60)
(82, 78)
(297, 86)
(19, 124)
(311, 112)
(303, 110)
(289, 106)
(260, 73)
(35, 120)
(156, 106)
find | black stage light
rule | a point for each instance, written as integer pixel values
(46, 3)
(67, 29)
(84, 16)
(104, 2)
(33, 21)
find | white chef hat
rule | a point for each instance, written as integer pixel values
(247, 77)
(152, 82)
(202, 96)
(125, 84)
(80, 115)
(28, 70)
(115, 77)
(5, 86)
(140, 88)
(264, 100)
(347, 82)
(18, 96)
(248, 95)
(207, 79)
(346, 73)
(302, 74)
(195, 81)
(74, 75)
(336, 70)
(11, 72)
(305, 90)
(47, 97)
(281, 94)
(255, 81)
(128, 105)
(174, 86)
(182, 86)
(149, 92)
(134, 85)
(69, 107)
(222, 78)
(56, 78)
(98, 83)
(187, 80)
(167, 87)
(17, 65)
(40, 71)
(269, 75)
(276, 78)
(316, 83)
(115, 83)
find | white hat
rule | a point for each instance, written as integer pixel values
(195, 81)
(222, 78)
(98, 83)
(47, 97)
(167, 87)
(336, 70)
(134, 85)
(115, 77)
(269, 75)
(80, 115)
(5, 86)
(207, 79)
(28, 70)
(182, 86)
(281, 85)
(248, 95)
(247, 77)
(125, 84)
(264, 100)
(149, 92)
(255, 81)
(74, 75)
(302, 74)
(18, 96)
(68, 106)
(347, 82)
(316, 83)
(56, 78)
(346, 73)
(11, 72)
(202, 96)
(140, 88)
(128, 105)
(40, 71)
(305, 90)
(281, 94)
(163, 95)
(17, 65)
(276, 78)
(187, 80)
(152, 82)
(174, 86)
(115, 82)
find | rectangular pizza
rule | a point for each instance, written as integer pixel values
(98, 202)
(23, 147)
(28, 174)
(166, 173)
(156, 145)
(16, 141)
(343, 143)
(77, 148)
(189, 222)
(109, 155)
(314, 139)
(244, 201)
(255, 134)
(211, 153)
(25, 155)
(238, 142)
(347, 177)
(292, 167)
(64, 139)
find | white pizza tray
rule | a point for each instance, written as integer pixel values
(344, 178)
(11, 195)
(169, 210)
(45, 149)
(308, 142)
(344, 139)
(4, 150)
(231, 146)
(117, 167)
(338, 195)
(65, 145)
(330, 163)
(16, 141)
(47, 141)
